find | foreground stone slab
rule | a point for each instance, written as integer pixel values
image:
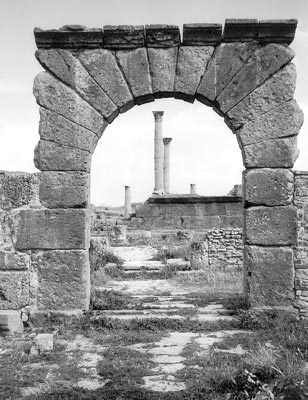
(64, 189)
(10, 322)
(103, 66)
(270, 275)
(14, 289)
(270, 226)
(54, 95)
(162, 67)
(52, 229)
(270, 187)
(64, 279)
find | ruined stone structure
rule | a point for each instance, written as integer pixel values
(244, 72)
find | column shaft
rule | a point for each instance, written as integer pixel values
(193, 188)
(167, 165)
(128, 202)
(158, 153)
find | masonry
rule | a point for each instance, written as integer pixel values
(242, 70)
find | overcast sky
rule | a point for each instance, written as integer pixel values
(203, 150)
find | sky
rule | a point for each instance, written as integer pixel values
(203, 150)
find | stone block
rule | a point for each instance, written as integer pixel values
(64, 189)
(123, 36)
(55, 128)
(278, 153)
(135, 66)
(10, 261)
(282, 121)
(191, 65)
(162, 35)
(68, 39)
(44, 342)
(201, 34)
(264, 62)
(279, 31)
(14, 289)
(103, 66)
(54, 95)
(270, 275)
(277, 90)
(69, 70)
(240, 30)
(225, 63)
(52, 229)
(269, 187)
(162, 68)
(270, 226)
(10, 322)
(49, 156)
(64, 279)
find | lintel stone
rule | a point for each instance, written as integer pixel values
(201, 34)
(162, 35)
(279, 31)
(123, 37)
(241, 30)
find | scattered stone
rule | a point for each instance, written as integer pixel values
(163, 383)
(44, 342)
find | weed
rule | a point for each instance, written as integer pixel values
(110, 300)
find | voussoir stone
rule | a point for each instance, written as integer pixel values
(282, 121)
(52, 229)
(272, 153)
(55, 128)
(225, 63)
(270, 275)
(50, 156)
(191, 65)
(162, 68)
(103, 67)
(14, 289)
(135, 66)
(266, 186)
(278, 89)
(54, 95)
(69, 69)
(270, 226)
(264, 62)
(64, 279)
(10, 261)
(64, 189)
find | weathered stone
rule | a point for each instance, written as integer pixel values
(64, 279)
(54, 95)
(162, 68)
(64, 189)
(273, 153)
(241, 30)
(225, 63)
(282, 121)
(52, 229)
(277, 90)
(44, 342)
(135, 66)
(55, 128)
(102, 65)
(123, 36)
(270, 226)
(6, 231)
(265, 61)
(68, 69)
(279, 31)
(162, 35)
(270, 275)
(14, 261)
(14, 289)
(201, 34)
(270, 187)
(49, 156)
(68, 39)
(192, 62)
(10, 322)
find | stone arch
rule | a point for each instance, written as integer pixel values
(91, 75)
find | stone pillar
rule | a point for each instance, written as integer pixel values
(167, 165)
(193, 188)
(158, 153)
(128, 202)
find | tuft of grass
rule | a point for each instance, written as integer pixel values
(110, 300)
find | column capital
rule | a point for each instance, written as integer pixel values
(158, 115)
(167, 140)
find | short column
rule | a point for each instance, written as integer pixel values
(128, 202)
(193, 188)
(167, 165)
(158, 153)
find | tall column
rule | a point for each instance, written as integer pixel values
(193, 188)
(128, 202)
(167, 165)
(158, 153)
